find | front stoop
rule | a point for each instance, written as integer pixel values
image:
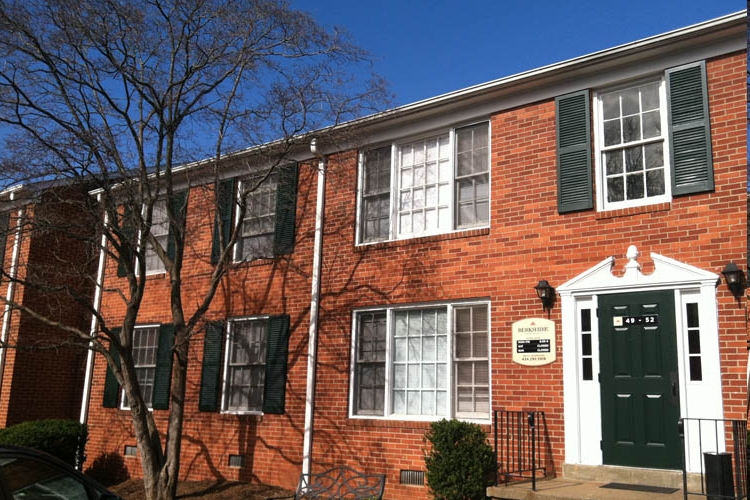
(581, 482)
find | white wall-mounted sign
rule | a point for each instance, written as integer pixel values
(534, 342)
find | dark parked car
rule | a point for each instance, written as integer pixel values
(34, 475)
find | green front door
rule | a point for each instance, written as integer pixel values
(639, 382)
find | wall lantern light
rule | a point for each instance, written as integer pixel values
(546, 294)
(735, 278)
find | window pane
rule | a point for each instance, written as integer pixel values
(633, 159)
(614, 162)
(370, 368)
(629, 118)
(612, 133)
(611, 106)
(615, 189)
(654, 155)
(635, 186)
(31, 478)
(651, 124)
(586, 344)
(588, 369)
(246, 358)
(692, 315)
(471, 150)
(472, 363)
(630, 101)
(650, 96)
(160, 231)
(260, 219)
(586, 320)
(655, 182)
(694, 342)
(377, 168)
(145, 345)
(417, 374)
(631, 128)
(696, 369)
(419, 199)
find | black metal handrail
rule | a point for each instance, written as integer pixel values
(723, 474)
(518, 449)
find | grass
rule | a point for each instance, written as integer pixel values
(204, 490)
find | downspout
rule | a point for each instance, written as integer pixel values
(312, 347)
(97, 303)
(11, 291)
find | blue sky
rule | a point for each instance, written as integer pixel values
(425, 48)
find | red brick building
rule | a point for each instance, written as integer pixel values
(36, 247)
(618, 177)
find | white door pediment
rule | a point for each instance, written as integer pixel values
(668, 273)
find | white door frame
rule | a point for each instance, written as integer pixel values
(582, 402)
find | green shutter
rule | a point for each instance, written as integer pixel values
(575, 189)
(126, 249)
(210, 374)
(689, 130)
(178, 209)
(111, 386)
(276, 364)
(286, 208)
(223, 218)
(4, 221)
(163, 372)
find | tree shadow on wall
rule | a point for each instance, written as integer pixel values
(108, 469)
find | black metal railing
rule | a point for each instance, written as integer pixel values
(519, 446)
(722, 474)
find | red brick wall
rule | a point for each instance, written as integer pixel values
(272, 444)
(527, 241)
(48, 383)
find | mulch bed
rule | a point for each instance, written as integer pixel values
(204, 490)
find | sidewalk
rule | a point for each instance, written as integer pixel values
(566, 489)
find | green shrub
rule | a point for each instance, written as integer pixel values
(459, 461)
(64, 439)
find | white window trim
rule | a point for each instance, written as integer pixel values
(143, 243)
(601, 189)
(225, 365)
(395, 145)
(387, 403)
(150, 405)
(236, 251)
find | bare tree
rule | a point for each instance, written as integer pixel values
(115, 96)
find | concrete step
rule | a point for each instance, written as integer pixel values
(562, 489)
(580, 482)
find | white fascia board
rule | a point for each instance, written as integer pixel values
(711, 38)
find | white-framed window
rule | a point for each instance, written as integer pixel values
(160, 231)
(256, 240)
(429, 185)
(245, 365)
(145, 348)
(632, 147)
(422, 363)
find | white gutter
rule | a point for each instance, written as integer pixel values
(11, 291)
(85, 399)
(489, 91)
(312, 347)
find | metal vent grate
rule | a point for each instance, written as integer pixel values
(413, 477)
(131, 451)
(236, 460)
